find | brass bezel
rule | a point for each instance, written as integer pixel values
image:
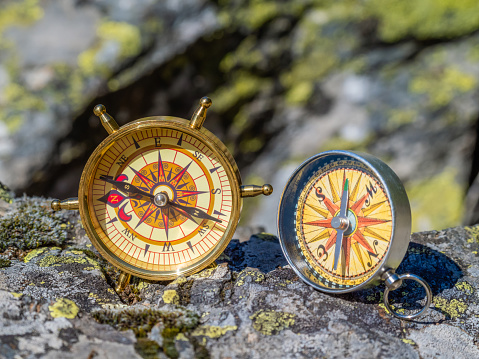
(174, 123)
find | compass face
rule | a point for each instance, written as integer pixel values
(160, 201)
(341, 228)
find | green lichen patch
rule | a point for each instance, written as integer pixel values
(430, 213)
(425, 19)
(141, 322)
(68, 258)
(271, 322)
(148, 349)
(170, 296)
(4, 262)
(17, 13)
(441, 86)
(452, 309)
(474, 234)
(32, 225)
(249, 274)
(126, 35)
(6, 194)
(465, 287)
(213, 331)
(267, 237)
(205, 273)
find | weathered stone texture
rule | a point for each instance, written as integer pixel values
(58, 301)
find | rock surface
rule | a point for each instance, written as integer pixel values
(57, 301)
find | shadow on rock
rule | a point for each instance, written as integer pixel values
(262, 251)
(437, 269)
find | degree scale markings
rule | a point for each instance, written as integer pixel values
(197, 245)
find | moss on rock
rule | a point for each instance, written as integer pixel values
(32, 225)
(4, 262)
(141, 322)
(6, 194)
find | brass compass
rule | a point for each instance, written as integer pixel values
(344, 223)
(161, 196)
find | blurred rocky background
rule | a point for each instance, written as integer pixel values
(288, 79)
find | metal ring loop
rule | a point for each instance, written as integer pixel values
(427, 288)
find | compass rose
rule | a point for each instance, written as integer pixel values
(348, 221)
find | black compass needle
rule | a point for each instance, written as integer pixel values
(126, 187)
(194, 212)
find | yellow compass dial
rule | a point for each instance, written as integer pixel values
(343, 221)
(160, 199)
(367, 238)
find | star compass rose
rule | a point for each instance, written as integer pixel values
(346, 229)
(161, 195)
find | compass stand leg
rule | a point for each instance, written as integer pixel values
(123, 281)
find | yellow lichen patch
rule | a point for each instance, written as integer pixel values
(126, 35)
(75, 252)
(56, 261)
(34, 253)
(180, 280)
(300, 93)
(409, 341)
(181, 337)
(269, 322)
(244, 86)
(212, 331)
(102, 301)
(442, 87)
(142, 285)
(256, 276)
(465, 287)
(205, 273)
(424, 19)
(170, 296)
(427, 212)
(20, 13)
(16, 295)
(454, 308)
(474, 233)
(65, 308)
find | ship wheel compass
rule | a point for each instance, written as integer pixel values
(161, 196)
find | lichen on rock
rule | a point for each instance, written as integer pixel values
(270, 322)
(167, 325)
(64, 308)
(31, 225)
